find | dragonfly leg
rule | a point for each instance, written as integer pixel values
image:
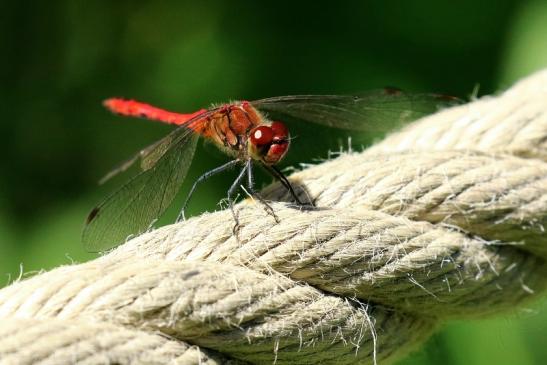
(276, 173)
(250, 185)
(231, 192)
(201, 179)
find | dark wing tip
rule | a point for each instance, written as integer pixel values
(92, 215)
(389, 90)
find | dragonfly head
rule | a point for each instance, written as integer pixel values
(269, 143)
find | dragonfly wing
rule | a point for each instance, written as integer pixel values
(152, 154)
(148, 156)
(134, 207)
(375, 111)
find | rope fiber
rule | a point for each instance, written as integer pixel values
(442, 220)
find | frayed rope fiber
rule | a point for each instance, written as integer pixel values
(443, 219)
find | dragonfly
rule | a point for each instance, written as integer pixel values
(249, 132)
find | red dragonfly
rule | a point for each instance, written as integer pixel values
(248, 133)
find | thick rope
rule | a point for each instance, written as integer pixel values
(218, 306)
(400, 240)
(498, 197)
(417, 267)
(30, 341)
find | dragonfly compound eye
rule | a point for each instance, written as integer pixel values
(262, 135)
(280, 143)
(269, 143)
(280, 131)
(276, 152)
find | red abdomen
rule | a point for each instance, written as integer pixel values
(132, 108)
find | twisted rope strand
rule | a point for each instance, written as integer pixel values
(31, 341)
(414, 266)
(498, 197)
(218, 306)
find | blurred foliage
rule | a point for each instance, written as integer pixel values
(61, 58)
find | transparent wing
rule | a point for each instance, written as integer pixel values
(137, 204)
(380, 110)
(149, 155)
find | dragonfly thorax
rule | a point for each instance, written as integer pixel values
(268, 143)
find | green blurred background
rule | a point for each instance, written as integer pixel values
(60, 59)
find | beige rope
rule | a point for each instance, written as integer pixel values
(414, 266)
(494, 196)
(28, 341)
(400, 240)
(218, 306)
